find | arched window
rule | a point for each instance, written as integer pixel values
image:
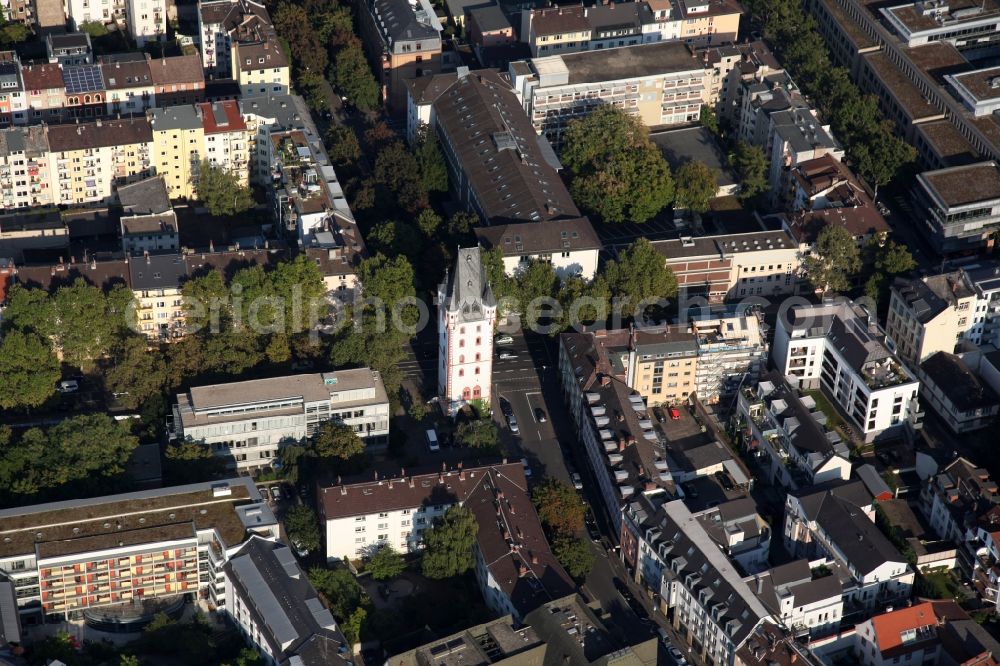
(466, 393)
(479, 356)
(461, 372)
(461, 358)
(86, 99)
(461, 343)
(477, 392)
(479, 341)
(477, 371)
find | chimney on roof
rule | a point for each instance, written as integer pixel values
(760, 584)
(440, 478)
(621, 444)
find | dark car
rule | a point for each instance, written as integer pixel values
(658, 413)
(689, 490)
(505, 408)
(540, 415)
(725, 480)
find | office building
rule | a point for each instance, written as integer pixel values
(571, 246)
(839, 348)
(960, 206)
(118, 550)
(246, 423)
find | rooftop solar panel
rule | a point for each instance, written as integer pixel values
(82, 78)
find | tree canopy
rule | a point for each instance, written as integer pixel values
(354, 78)
(559, 507)
(834, 260)
(640, 274)
(697, 185)
(385, 563)
(449, 544)
(478, 434)
(221, 192)
(337, 440)
(750, 165)
(302, 527)
(617, 172)
(575, 555)
(29, 370)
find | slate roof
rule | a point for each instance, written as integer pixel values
(284, 605)
(175, 70)
(401, 23)
(157, 271)
(145, 197)
(956, 380)
(496, 147)
(795, 578)
(467, 288)
(100, 134)
(569, 235)
(126, 74)
(929, 296)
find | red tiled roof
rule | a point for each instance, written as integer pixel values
(42, 77)
(889, 627)
(234, 119)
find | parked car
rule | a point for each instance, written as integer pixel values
(540, 415)
(299, 549)
(512, 423)
(577, 481)
(675, 414)
(658, 414)
(506, 356)
(725, 480)
(68, 386)
(503, 339)
(505, 408)
(275, 493)
(527, 468)
(676, 655)
(432, 440)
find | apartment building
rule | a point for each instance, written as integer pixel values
(568, 29)
(129, 85)
(962, 400)
(467, 312)
(739, 532)
(259, 64)
(91, 158)
(929, 632)
(277, 610)
(74, 556)
(787, 434)
(662, 364)
(403, 41)
(17, 11)
(177, 79)
(152, 234)
(836, 521)
(806, 603)
(838, 347)
(227, 139)
(146, 20)
(759, 263)
(27, 168)
(611, 421)
(571, 246)
(178, 148)
(73, 48)
(731, 351)
(701, 592)
(359, 518)
(824, 192)
(246, 423)
(45, 91)
(156, 281)
(955, 500)
(661, 83)
(930, 314)
(960, 206)
(217, 22)
(796, 136)
(13, 99)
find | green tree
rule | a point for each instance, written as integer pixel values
(352, 625)
(617, 172)
(207, 303)
(354, 79)
(433, 169)
(93, 28)
(337, 440)
(559, 507)
(708, 119)
(385, 563)
(13, 34)
(28, 370)
(536, 280)
(750, 165)
(30, 310)
(879, 162)
(398, 170)
(342, 591)
(128, 660)
(449, 544)
(477, 434)
(697, 185)
(884, 261)
(303, 527)
(428, 222)
(221, 192)
(135, 373)
(460, 226)
(834, 260)
(191, 462)
(575, 555)
(86, 324)
(504, 287)
(342, 145)
(639, 274)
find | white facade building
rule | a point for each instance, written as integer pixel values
(466, 314)
(805, 604)
(839, 347)
(146, 20)
(248, 422)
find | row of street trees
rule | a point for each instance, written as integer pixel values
(870, 140)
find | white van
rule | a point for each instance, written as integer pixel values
(432, 440)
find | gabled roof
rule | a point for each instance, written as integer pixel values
(175, 70)
(44, 76)
(158, 271)
(145, 197)
(569, 235)
(921, 618)
(467, 287)
(121, 74)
